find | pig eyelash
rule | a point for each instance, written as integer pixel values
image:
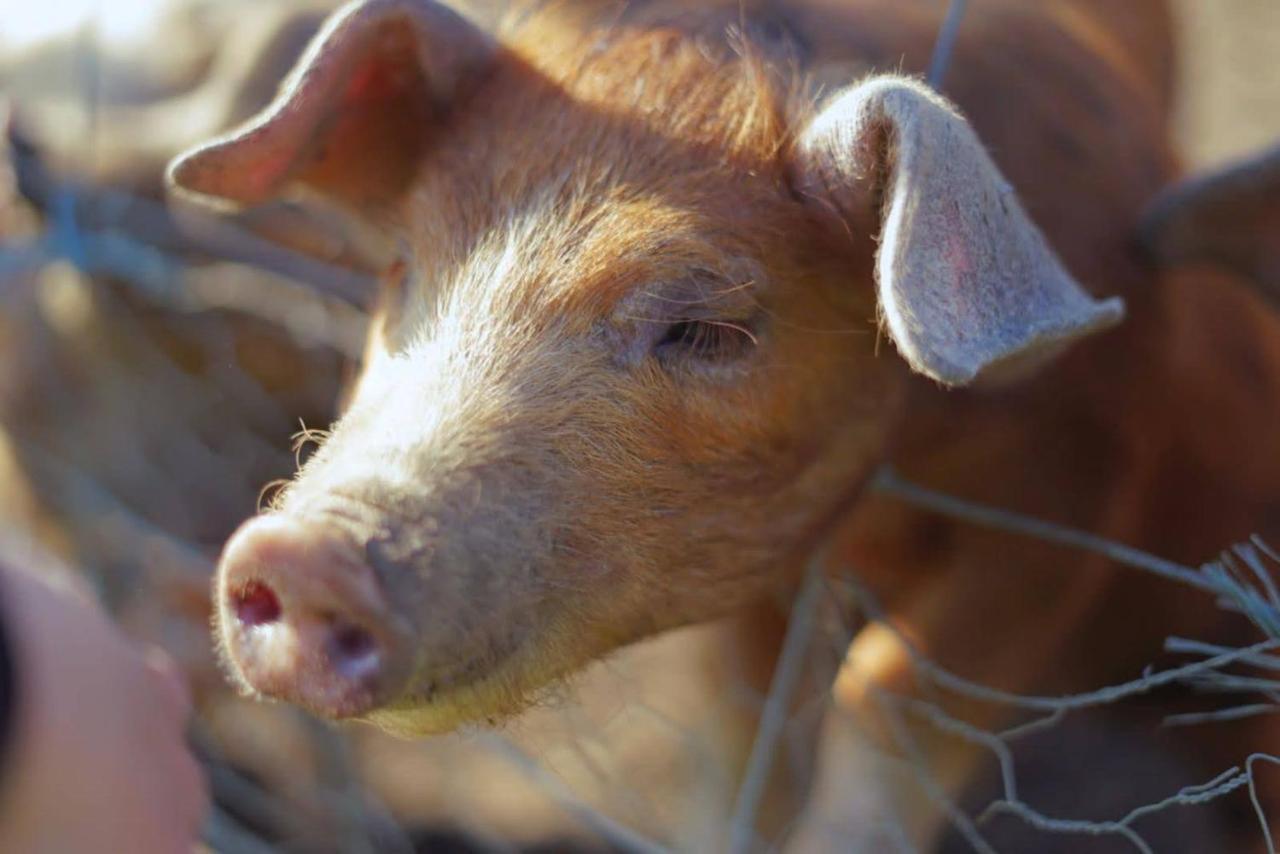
(708, 340)
(700, 299)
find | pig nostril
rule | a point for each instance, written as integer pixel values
(255, 604)
(352, 642)
(354, 652)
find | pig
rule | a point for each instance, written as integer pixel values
(1228, 217)
(628, 372)
(548, 414)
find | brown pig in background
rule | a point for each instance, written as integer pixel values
(637, 360)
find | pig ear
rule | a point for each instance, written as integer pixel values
(968, 288)
(1229, 217)
(355, 113)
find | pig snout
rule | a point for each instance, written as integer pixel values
(303, 618)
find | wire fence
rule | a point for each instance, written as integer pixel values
(152, 363)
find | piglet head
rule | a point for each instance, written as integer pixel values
(626, 371)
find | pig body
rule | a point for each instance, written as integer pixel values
(627, 375)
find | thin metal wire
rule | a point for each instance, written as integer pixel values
(790, 664)
(887, 481)
(945, 43)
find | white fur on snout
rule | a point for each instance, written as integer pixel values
(272, 647)
(454, 478)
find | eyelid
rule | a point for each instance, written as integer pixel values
(704, 342)
(743, 328)
(698, 296)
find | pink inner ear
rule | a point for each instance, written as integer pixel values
(269, 161)
(958, 258)
(353, 118)
(371, 81)
(266, 171)
(960, 272)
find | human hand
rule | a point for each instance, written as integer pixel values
(98, 759)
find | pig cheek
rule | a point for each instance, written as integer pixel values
(758, 495)
(471, 607)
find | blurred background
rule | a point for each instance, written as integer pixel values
(158, 363)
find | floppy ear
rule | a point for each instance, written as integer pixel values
(1229, 217)
(355, 113)
(968, 288)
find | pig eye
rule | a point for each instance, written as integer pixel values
(708, 340)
